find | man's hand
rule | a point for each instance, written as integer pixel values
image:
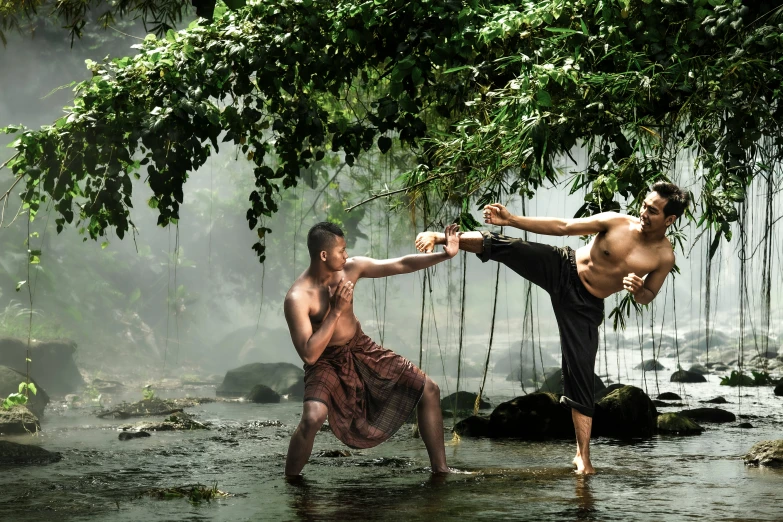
(426, 241)
(341, 297)
(633, 283)
(452, 240)
(496, 214)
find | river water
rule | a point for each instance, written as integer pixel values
(663, 478)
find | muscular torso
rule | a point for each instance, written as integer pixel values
(613, 254)
(319, 302)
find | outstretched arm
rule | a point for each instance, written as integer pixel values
(373, 268)
(311, 345)
(497, 214)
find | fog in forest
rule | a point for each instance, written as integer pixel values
(192, 300)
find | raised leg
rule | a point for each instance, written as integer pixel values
(301, 445)
(431, 426)
(468, 241)
(583, 426)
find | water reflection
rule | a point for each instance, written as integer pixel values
(584, 498)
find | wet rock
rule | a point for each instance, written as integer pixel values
(335, 453)
(716, 400)
(698, 368)
(660, 404)
(130, 435)
(625, 413)
(669, 396)
(278, 376)
(766, 453)
(649, 365)
(296, 390)
(673, 423)
(686, 376)
(175, 422)
(263, 395)
(12, 453)
(52, 365)
(104, 386)
(473, 426)
(716, 415)
(9, 383)
(144, 408)
(554, 382)
(18, 421)
(779, 390)
(745, 425)
(600, 394)
(463, 401)
(535, 416)
(720, 367)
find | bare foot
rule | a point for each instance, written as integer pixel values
(583, 467)
(426, 241)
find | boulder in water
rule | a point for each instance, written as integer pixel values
(716, 400)
(17, 421)
(649, 365)
(686, 376)
(263, 395)
(130, 435)
(669, 396)
(600, 394)
(766, 453)
(12, 453)
(625, 413)
(278, 376)
(462, 400)
(673, 423)
(473, 426)
(9, 383)
(716, 415)
(51, 363)
(698, 368)
(535, 416)
(779, 390)
(296, 389)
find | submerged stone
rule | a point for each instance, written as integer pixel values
(716, 400)
(12, 453)
(669, 396)
(766, 453)
(130, 435)
(779, 390)
(673, 423)
(716, 415)
(649, 365)
(535, 416)
(687, 377)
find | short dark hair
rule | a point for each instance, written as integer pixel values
(321, 236)
(677, 200)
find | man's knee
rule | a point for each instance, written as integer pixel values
(313, 418)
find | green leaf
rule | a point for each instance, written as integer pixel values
(19, 285)
(543, 98)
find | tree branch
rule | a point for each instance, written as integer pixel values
(406, 189)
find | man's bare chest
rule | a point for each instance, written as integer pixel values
(624, 254)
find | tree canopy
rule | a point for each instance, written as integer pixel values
(489, 95)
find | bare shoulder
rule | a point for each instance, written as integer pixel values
(667, 257)
(298, 295)
(615, 219)
(354, 266)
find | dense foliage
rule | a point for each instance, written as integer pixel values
(489, 94)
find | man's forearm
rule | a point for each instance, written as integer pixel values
(539, 225)
(321, 337)
(414, 262)
(644, 296)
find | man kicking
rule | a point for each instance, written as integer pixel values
(367, 391)
(624, 250)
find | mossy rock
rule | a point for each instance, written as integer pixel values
(9, 383)
(14, 454)
(18, 421)
(625, 413)
(554, 383)
(766, 453)
(673, 423)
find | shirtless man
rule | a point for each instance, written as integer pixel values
(367, 391)
(627, 253)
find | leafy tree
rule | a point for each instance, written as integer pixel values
(488, 94)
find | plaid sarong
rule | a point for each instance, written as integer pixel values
(370, 391)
